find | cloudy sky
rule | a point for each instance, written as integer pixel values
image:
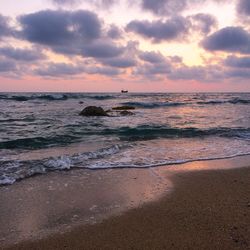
(109, 45)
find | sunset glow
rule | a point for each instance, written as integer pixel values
(106, 45)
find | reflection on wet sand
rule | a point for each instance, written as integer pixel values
(39, 206)
(56, 202)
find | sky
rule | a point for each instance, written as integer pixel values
(140, 46)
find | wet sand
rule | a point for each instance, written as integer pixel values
(199, 205)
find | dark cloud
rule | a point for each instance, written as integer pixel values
(54, 28)
(5, 29)
(160, 30)
(238, 73)
(244, 7)
(188, 73)
(237, 62)
(155, 66)
(120, 62)
(114, 32)
(70, 33)
(149, 71)
(152, 57)
(230, 39)
(7, 66)
(59, 70)
(27, 55)
(203, 22)
(102, 49)
(198, 73)
(173, 7)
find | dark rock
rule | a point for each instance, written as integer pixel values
(124, 108)
(126, 113)
(81, 102)
(93, 111)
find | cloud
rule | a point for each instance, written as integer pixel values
(154, 66)
(188, 73)
(70, 33)
(163, 7)
(238, 73)
(65, 2)
(203, 22)
(103, 3)
(213, 73)
(25, 54)
(243, 7)
(173, 7)
(59, 70)
(120, 62)
(156, 69)
(159, 30)
(7, 66)
(97, 3)
(5, 29)
(59, 27)
(237, 62)
(102, 49)
(175, 59)
(151, 57)
(114, 32)
(229, 39)
(108, 71)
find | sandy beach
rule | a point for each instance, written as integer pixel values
(199, 205)
(125, 125)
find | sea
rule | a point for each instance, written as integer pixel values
(43, 132)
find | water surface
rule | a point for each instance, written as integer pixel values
(44, 132)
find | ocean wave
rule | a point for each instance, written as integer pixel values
(146, 132)
(232, 101)
(24, 98)
(26, 119)
(153, 104)
(38, 142)
(54, 97)
(142, 132)
(211, 102)
(239, 101)
(11, 171)
(101, 97)
(91, 160)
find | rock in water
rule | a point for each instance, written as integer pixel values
(126, 113)
(93, 111)
(124, 108)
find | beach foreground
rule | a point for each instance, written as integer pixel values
(208, 209)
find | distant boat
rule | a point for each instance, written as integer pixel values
(124, 91)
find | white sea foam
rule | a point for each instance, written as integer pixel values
(36, 139)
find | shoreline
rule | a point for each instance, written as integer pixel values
(134, 167)
(152, 188)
